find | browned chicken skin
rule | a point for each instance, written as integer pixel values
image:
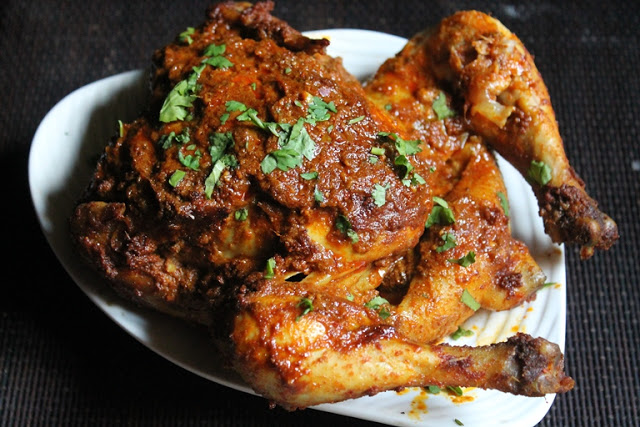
(316, 225)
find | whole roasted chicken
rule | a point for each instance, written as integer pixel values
(329, 233)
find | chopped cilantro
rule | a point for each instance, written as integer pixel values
(441, 108)
(241, 214)
(295, 143)
(356, 120)
(226, 161)
(319, 110)
(309, 175)
(455, 390)
(467, 299)
(433, 389)
(213, 56)
(176, 177)
(377, 304)
(287, 70)
(440, 213)
(373, 160)
(218, 143)
(251, 115)
(253, 86)
(214, 50)
(269, 272)
(307, 306)
(318, 196)
(179, 99)
(235, 106)
(218, 62)
(449, 242)
(388, 107)
(461, 332)
(378, 151)
(350, 297)
(466, 260)
(192, 161)
(379, 194)
(344, 226)
(185, 36)
(539, 172)
(504, 202)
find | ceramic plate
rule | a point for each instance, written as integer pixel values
(63, 154)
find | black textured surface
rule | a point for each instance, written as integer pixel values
(63, 362)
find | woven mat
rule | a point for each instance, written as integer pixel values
(63, 362)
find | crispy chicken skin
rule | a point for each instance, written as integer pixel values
(267, 194)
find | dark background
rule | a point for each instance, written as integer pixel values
(63, 362)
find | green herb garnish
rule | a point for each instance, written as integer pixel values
(440, 213)
(378, 304)
(460, 332)
(455, 390)
(467, 299)
(466, 260)
(185, 36)
(504, 202)
(379, 194)
(241, 214)
(309, 175)
(449, 242)
(269, 269)
(224, 162)
(176, 177)
(344, 226)
(356, 120)
(307, 306)
(539, 172)
(433, 389)
(441, 108)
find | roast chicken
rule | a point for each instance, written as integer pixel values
(329, 232)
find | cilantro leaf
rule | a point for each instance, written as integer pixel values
(241, 214)
(467, 299)
(177, 102)
(226, 161)
(192, 161)
(504, 202)
(185, 36)
(269, 272)
(539, 172)
(377, 304)
(441, 108)
(219, 142)
(218, 62)
(319, 110)
(307, 306)
(176, 177)
(344, 226)
(214, 50)
(461, 332)
(309, 175)
(318, 196)
(466, 260)
(379, 194)
(433, 389)
(440, 213)
(449, 242)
